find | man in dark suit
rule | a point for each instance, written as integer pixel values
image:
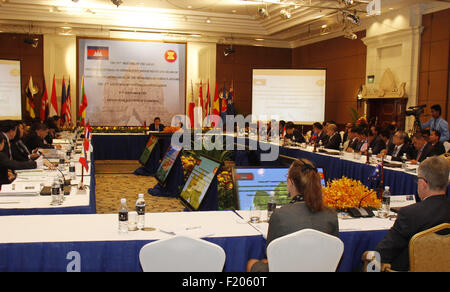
(434, 209)
(8, 130)
(423, 149)
(36, 138)
(376, 143)
(398, 147)
(438, 146)
(352, 141)
(319, 134)
(157, 126)
(334, 140)
(7, 165)
(20, 151)
(293, 134)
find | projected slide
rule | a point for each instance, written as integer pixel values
(254, 186)
(128, 83)
(10, 96)
(291, 95)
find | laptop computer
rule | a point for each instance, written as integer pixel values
(199, 181)
(167, 162)
(253, 186)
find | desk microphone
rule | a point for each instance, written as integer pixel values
(64, 178)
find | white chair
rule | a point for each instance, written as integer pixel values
(182, 254)
(306, 250)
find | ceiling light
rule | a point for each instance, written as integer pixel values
(259, 39)
(262, 12)
(285, 14)
(34, 42)
(324, 26)
(348, 2)
(208, 20)
(195, 35)
(117, 2)
(228, 51)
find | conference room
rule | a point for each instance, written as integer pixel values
(236, 136)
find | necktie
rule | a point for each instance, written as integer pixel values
(419, 154)
(395, 151)
(434, 125)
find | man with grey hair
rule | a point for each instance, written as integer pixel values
(335, 138)
(434, 209)
(399, 147)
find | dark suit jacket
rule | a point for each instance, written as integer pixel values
(6, 163)
(406, 148)
(6, 148)
(33, 141)
(296, 136)
(334, 141)
(295, 217)
(438, 149)
(20, 152)
(353, 144)
(324, 138)
(411, 220)
(152, 127)
(426, 152)
(377, 145)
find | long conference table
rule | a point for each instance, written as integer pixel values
(91, 242)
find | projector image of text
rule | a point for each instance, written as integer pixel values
(131, 82)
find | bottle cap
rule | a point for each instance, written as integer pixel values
(141, 196)
(272, 194)
(123, 201)
(386, 188)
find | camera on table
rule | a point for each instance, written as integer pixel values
(416, 111)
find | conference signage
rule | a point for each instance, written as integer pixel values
(129, 83)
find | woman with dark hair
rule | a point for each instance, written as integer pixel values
(306, 210)
(20, 151)
(36, 138)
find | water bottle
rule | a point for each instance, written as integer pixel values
(55, 192)
(271, 205)
(404, 159)
(61, 188)
(140, 210)
(73, 176)
(341, 149)
(123, 216)
(386, 202)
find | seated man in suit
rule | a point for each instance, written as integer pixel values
(36, 138)
(438, 146)
(306, 209)
(8, 130)
(157, 126)
(20, 151)
(400, 147)
(348, 127)
(293, 134)
(376, 143)
(353, 140)
(7, 165)
(423, 149)
(385, 137)
(434, 209)
(334, 140)
(319, 134)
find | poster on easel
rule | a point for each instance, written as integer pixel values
(148, 150)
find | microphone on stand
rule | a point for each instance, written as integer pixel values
(64, 178)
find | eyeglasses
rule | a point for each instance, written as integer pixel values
(417, 178)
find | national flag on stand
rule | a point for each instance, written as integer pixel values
(63, 103)
(200, 96)
(216, 108)
(53, 100)
(191, 106)
(223, 106)
(84, 104)
(44, 104)
(230, 102)
(208, 104)
(69, 106)
(86, 145)
(30, 101)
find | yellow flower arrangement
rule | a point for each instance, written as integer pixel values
(345, 193)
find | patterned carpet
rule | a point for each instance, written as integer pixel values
(115, 180)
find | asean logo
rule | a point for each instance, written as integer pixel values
(170, 56)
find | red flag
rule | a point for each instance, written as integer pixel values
(200, 95)
(44, 104)
(191, 106)
(53, 100)
(208, 102)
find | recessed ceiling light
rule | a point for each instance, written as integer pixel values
(195, 35)
(189, 6)
(390, 8)
(208, 20)
(233, 11)
(259, 39)
(324, 26)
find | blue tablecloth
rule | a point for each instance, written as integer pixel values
(118, 147)
(123, 256)
(111, 256)
(90, 209)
